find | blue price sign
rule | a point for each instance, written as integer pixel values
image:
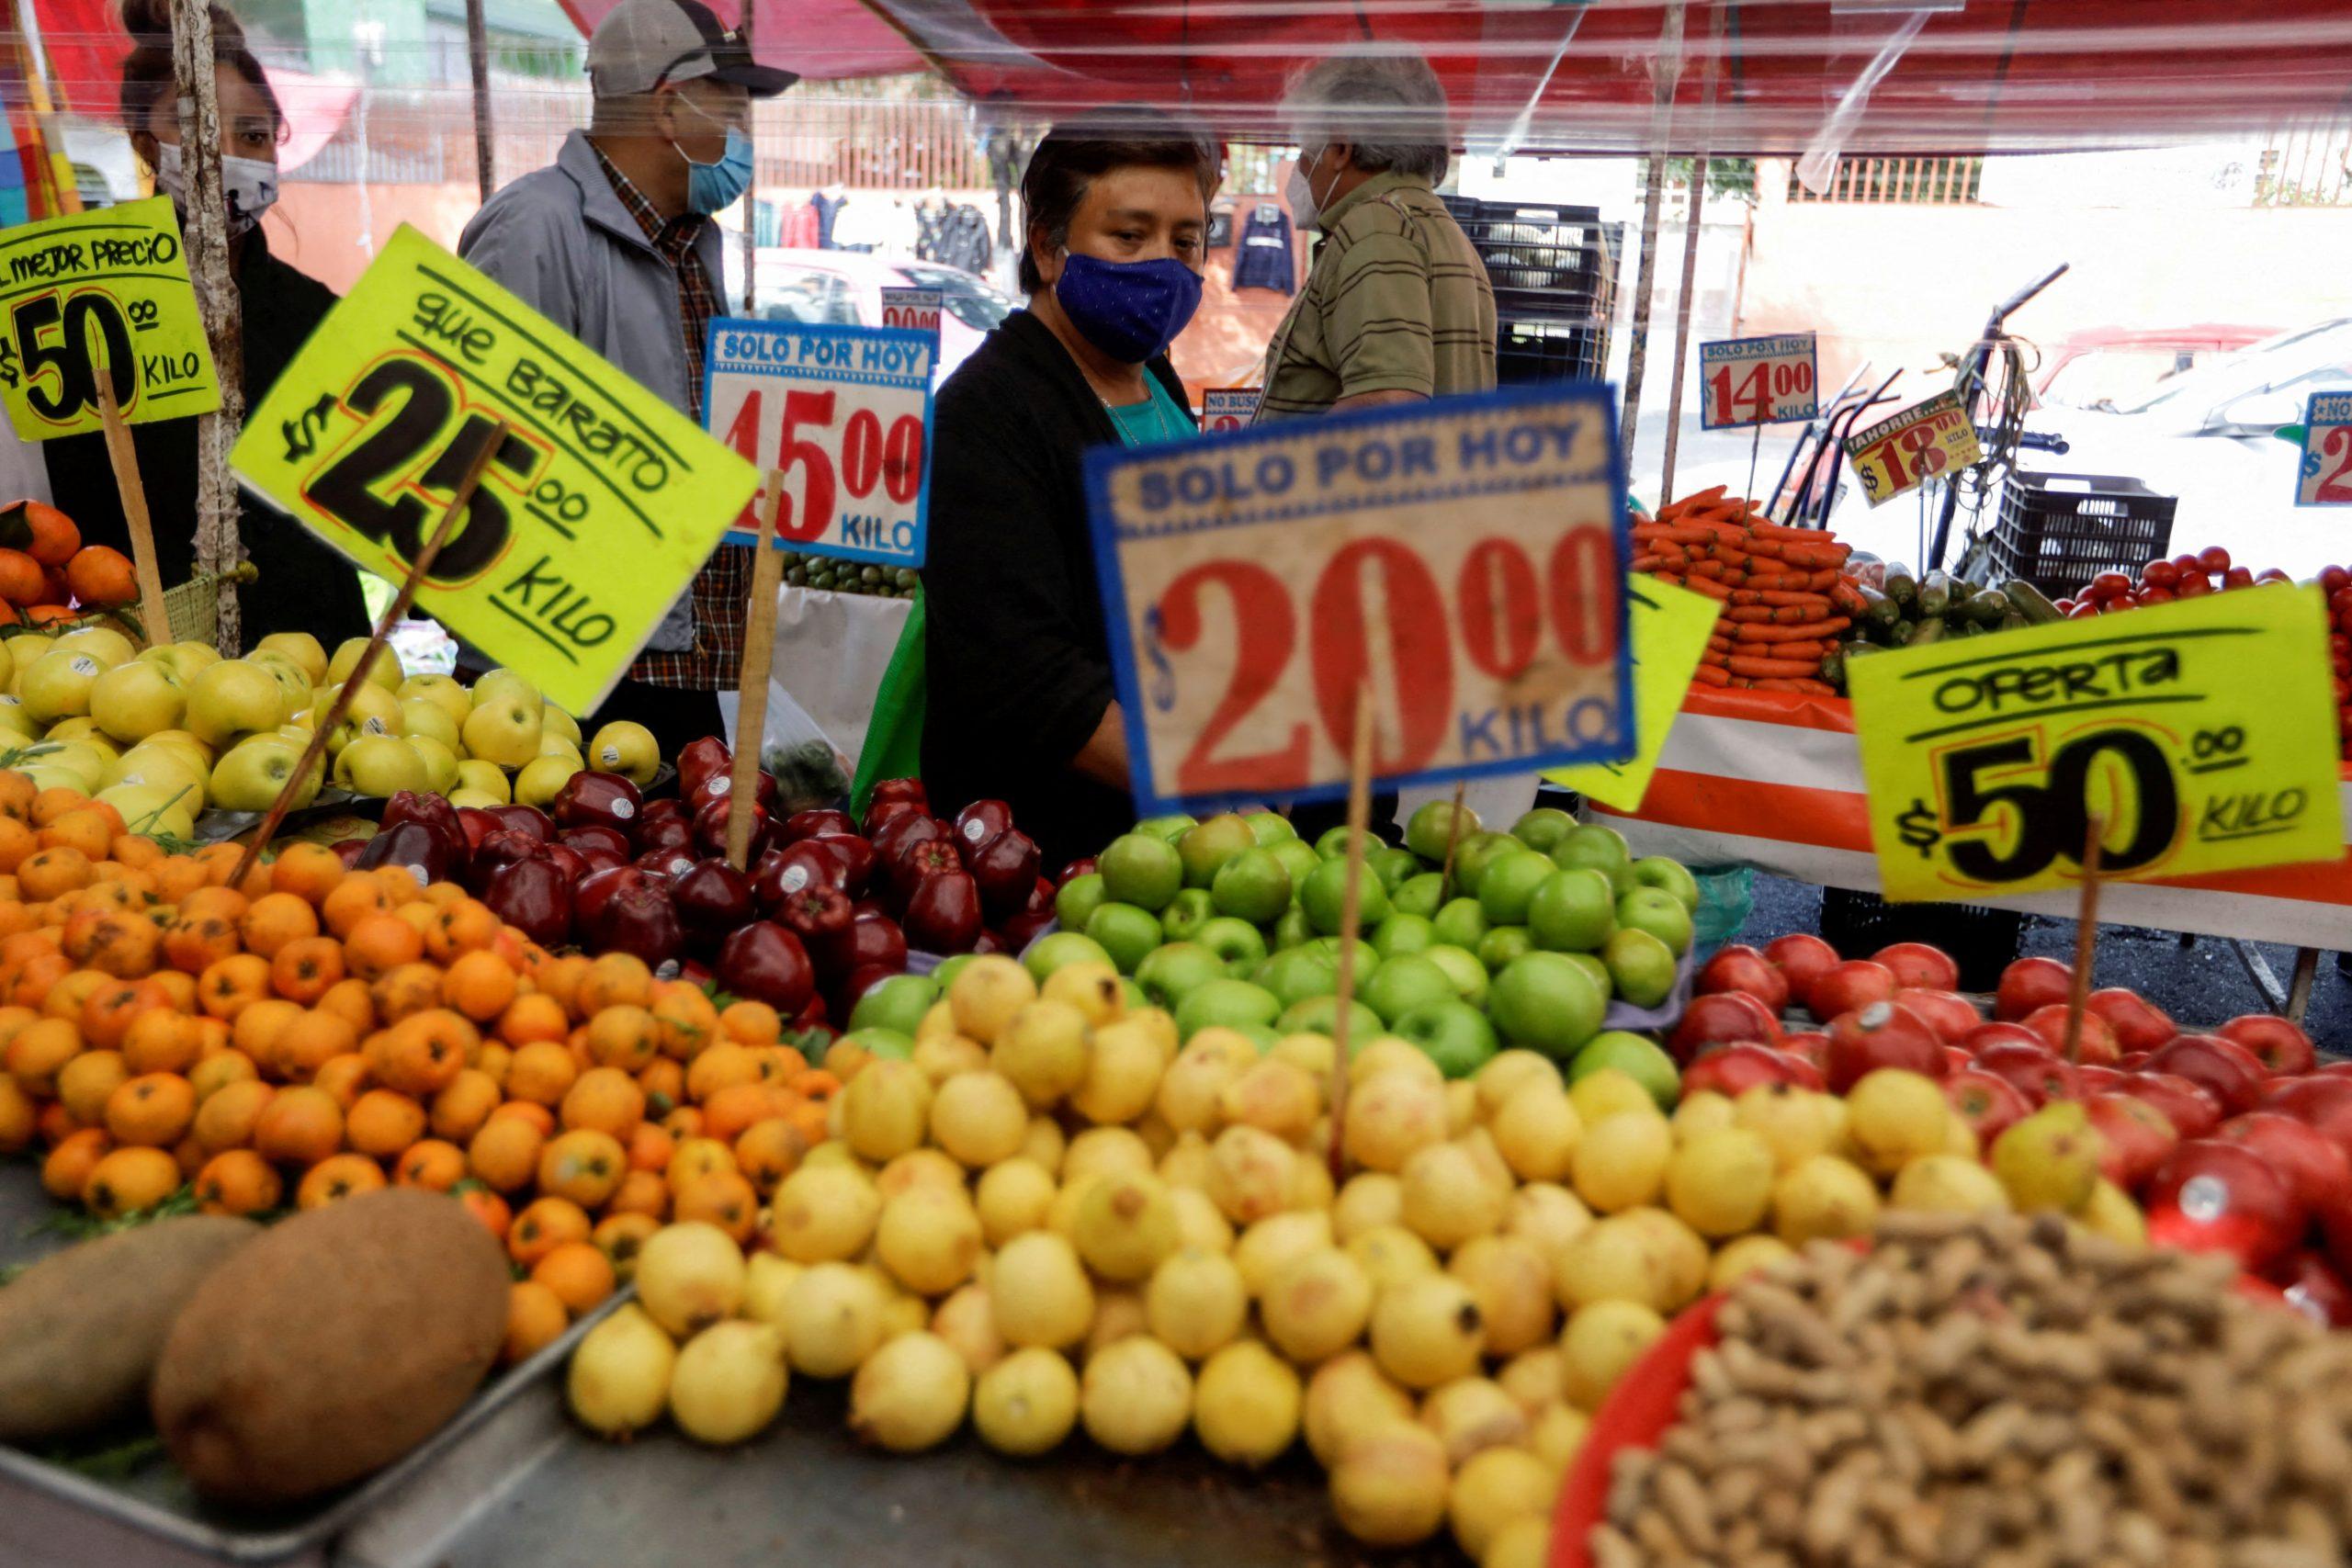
(1756, 381)
(2326, 478)
(1462, 560)
(844, 413)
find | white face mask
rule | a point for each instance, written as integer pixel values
(1305, 210)
(248, 185)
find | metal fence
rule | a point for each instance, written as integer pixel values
(1919, 182)
(2307, 166)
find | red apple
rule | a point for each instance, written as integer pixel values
(902, 832)
(1005, 871)
(1958, 1059)
(2039, 1073)
(1077, 868)
(2096, 1043)
(1018, 932)
(1919, 965)
(702, 759)
(2030, 983)
(1802, 957)
(871, 939)
(2323, 1099)
(2133, 1138)
(2211, 1196)
(524, 819)
(1883, 1035)
(1731, 1070)
(2230, 1072)
(880, 814)
(2313, 1288)
(943, 912)
(2190, 1108)
(2097, 1079)
(583, 838)
(765, 962)
(782, 873)
(597, 800)
(641, 920)
(809, 824)
(2334, 1069)
(1850, 988)
(2310, 1163)
(596, 889)
(713, 898)
(1986, 1034)
(1989, 1105)
(1948, 1013)
(980, 823)
(664, 866)
(667, 833)
(2284, 1048)
(533, 895)
(2139, 1025)
(669, 808)
(923, 859)
(1813, 1044)
(1742, 968)
(1721, 1020)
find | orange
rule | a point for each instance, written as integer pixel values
(664, 1083)
(237, 1181)
(405, 989)
(728, 1114)
(55, 802)
(578, 1272)
(621, 1236)
(87, 1082)
(430, 1163)
(650, 1147)
(344, 1077)
(462, 927)
(115, 942)
(768, 1152)
(721, 1197)
(303, 969)
(308, 1044)
(135, 850)
(85, 829)
(531, 1018)
(461, 1108)
(298, 1126)
(539, 1116)
(641, 1193)
(542, 1072)
(560, 978)
(479, 984)
(697, 1157)
(189, 1156)
(16, 792)
(154, 1109)
(128, 1180)
(216, 1072)
(225, 1119)
(535, 1318)
(15, 841)
(228, 986)
(416, 914)
(261, 1024)
(160, 1039)
(351, 902)
(486, 1206)
(177, 988)
(67, 1169)
(275, 920)
(19, 1117)
(54, 873)
(379, 943)
(347, 999)
(722, 1066)
(623, 1036)
(504, 1156)
(195, 941)
(70, 991)
(342, 1176)
(683, 1019)
(425, 1053)
(220, 863)
(54, 540)
(225, 902)
(308, 871)
(20, 578)
(491, 1061)
(604, 1099)
(176, 877)
(584, 1166)
(546, 1224)
(381, 1123)
(614, 979)
(112, 1007)
(36, 976)
(752, 1023)
(683, 1122)
(399, 884)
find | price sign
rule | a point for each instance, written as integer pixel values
(594, 513)
(107, 285)
(1905, 451)
(1756, 381)
(1228, 407)
(1986, 760)
(1465, 558)
(843, 411)
(914, 307)
(1671, 627)
(2326, 477)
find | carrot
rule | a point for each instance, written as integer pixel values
(1828, 577)
(1804, 685)
(1815, 650)
(1730, 555)
(1811, 631)
(1754, 667)
(1708, 586)
(1696, 502)
(1713, 675)
(1768, 614)
(1847, 597)
(1723, 644)
(1647, 563)
(1652, 532)
(1713, 569)
(1817, 602)
(1809, 558)
(1672, 551)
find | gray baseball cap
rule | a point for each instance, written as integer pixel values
(644, 44)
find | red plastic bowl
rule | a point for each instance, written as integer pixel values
(1635, 1415)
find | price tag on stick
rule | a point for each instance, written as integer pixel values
(1227, 408)
(915, 309)
(598, 506)
(1670, 628)
(1756, 381)
(1901, 453)
(106, 286)
(2325, 478)
(2201, 733)
(1466, 557)
(844, 413)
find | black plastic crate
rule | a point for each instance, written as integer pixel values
(1982, 941)
(1546, 262)
(2058, 530)
(1552, 351)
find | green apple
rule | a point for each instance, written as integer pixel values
(1602, 849)
(1392, 866)
(1320, 1015)
(1501, 944)
(1048, 953)
(1573, 911)
(1332, 843)
(249, 775)
(1461, 922)
(1192, 908)
(1451, 1032)
(1127, 934)
(1229, 1002)
(1366, 955)
(1422, 895)
(1401, 933)
(1299, 858)
(1397, 985)
(1167, 830)
(133, 701)
(896, 1003)
(1508, 882)
(1233, 941)
(1172, 972)
(1431, 829)
(1543, 1002)
(1642, 967)
(897, 1044)
(1669, 877)
(945, 976)
(1204, 849)
(1543, 827)
(1271, 827)
(626, 749)
(503, 728)
(1639, 1059)
(1475, 854)
(1461, 967)
(1253, 885)
(1137, 1000)
(1293, 928)
(1595, 970)
(1298, 973)
(1078, 898)
(1323, 896)
(1140, 869)
(1659, 912)
(541, 780)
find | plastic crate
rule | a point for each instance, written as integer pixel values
(1547, 263)
(1982, 941)
(2058, 530)
(1551, 351)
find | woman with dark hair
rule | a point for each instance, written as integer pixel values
(1020, 705)
(304, 585)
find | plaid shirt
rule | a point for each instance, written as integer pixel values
(722, 589)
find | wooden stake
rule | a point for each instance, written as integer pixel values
(154, 621)
(752, 706)
(1351, 911)
(1453, 843)
(393, 613)
(2085, 938)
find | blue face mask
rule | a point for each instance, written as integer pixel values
(1131, 310)
(714, 187)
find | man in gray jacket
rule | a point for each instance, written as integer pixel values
(615, 243)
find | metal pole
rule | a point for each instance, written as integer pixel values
(477, 61)
(751, 196)
(218, 545)
(1690, 275)
(1665, 77)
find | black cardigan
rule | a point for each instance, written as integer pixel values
(305, 585)
(1019, 663)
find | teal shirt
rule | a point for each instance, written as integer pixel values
(1158, 418)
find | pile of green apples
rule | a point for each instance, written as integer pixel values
(1234, 922)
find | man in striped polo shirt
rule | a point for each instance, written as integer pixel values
(1397, 308)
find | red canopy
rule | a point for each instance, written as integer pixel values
(1979, 76)
(825, 40)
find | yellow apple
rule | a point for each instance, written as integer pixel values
(154, 809)
(103, 644)
(503, 728)
(80, 758)
(184, 659)
(302, 648)
(554, 745)
(506, 684)
(46, 775)
(480, 799)
(422, 715)
(553, 720)
(57, 684)
(440, 763)
(384, 670)
(373, 711)
(478, 777)
(133, 701)
(148, 763)
(293, 685)
(442, 690)
(626, 749)
(7, 662)
(16, 720)
(382, 766)
(249, 776)
(84, 728)
(541, 779)
(200, 756)
(230, 698)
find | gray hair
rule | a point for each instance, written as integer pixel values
(1385, 104)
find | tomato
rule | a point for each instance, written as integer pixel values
(2195, 584)
(2343, 691)
(2238, 576)
(2188, 565)
(2160, 574)
(2157, 596)
(2110, 585)
(2335, 579)
(2084, 607)
(2214, 558)
(2273, 574)
(2064, 606)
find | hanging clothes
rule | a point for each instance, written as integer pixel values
(801, 228)
(1263, 259)
(1220, 225)
(828, 203)
(963, 240)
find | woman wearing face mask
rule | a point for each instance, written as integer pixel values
(1020, 705)
(304, 585)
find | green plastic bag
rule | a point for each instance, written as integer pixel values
(1727, 898)
(893, 748)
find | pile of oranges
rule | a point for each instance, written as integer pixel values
(313, 1031)
(46, 570)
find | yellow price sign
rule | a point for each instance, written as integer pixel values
(593, 515)
(1670, 626)
(1905, 451)
(106, 289)
(2202, 734)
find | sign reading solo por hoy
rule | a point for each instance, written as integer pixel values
(845, 413)
(2326, 476)
(1224, 409)
(1464, 559)
(915, 308)
(107, 287)
(1756, 381)
(1905, 451)
(595, 510)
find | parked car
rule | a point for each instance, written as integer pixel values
(846, 287)
(2105, 366)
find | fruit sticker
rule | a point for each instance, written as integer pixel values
(1756, 381)
(2325, 478)
(598, 506)
(1670, 628)
(105, 287)
(1464, 560)
(1986, 763)
(844, 413)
